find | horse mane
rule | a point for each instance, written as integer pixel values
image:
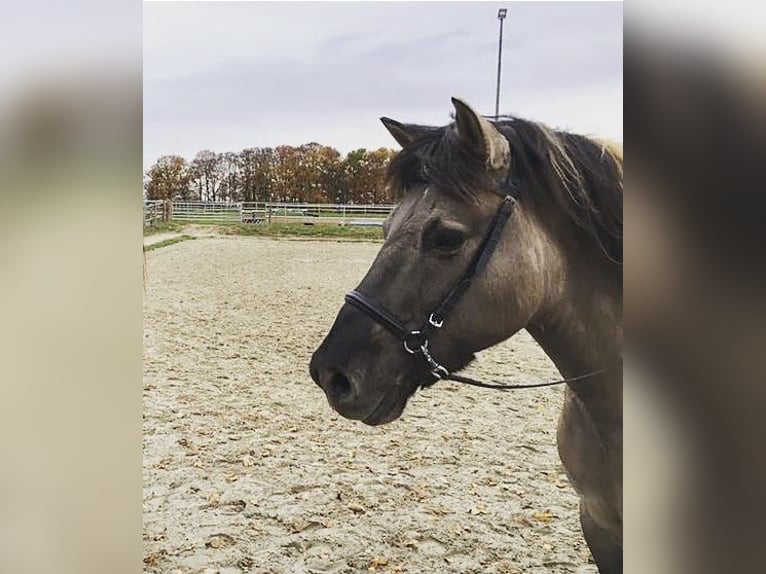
(582, 176)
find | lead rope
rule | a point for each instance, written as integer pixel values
(499, 387)
(440, 373)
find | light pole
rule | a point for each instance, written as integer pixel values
(500, 16)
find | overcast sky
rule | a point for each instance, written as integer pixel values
(226, 76)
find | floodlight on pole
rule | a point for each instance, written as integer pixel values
(501, 13)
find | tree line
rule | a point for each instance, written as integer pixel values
(310, 173)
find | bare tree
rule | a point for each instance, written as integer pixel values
(205, 175)
(229, 168)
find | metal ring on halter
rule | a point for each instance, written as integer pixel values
(440, 372)
(437, 370)
(432, 321)
(423, 346)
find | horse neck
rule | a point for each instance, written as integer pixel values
(580, 329)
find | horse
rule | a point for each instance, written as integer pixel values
(501, 225)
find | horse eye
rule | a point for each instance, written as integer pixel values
(448, 239)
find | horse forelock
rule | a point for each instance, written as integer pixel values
(437, 158)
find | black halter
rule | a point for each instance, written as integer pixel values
(416, 341)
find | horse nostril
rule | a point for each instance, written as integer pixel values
(339, 384)
(331, 379)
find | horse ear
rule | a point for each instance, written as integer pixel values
(479, 134)
(403, 134)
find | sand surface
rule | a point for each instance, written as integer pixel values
(248, 469)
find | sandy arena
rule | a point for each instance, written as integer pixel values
(248, 469)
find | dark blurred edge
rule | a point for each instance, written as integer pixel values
(70, 288)
(694, 281)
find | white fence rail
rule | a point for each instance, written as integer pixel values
(324, 209)
(258, 212)
(207, 212)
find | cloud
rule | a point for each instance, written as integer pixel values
(229, 75)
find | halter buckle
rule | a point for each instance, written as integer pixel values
(434, 323)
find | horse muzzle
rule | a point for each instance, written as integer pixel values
(346, 394)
